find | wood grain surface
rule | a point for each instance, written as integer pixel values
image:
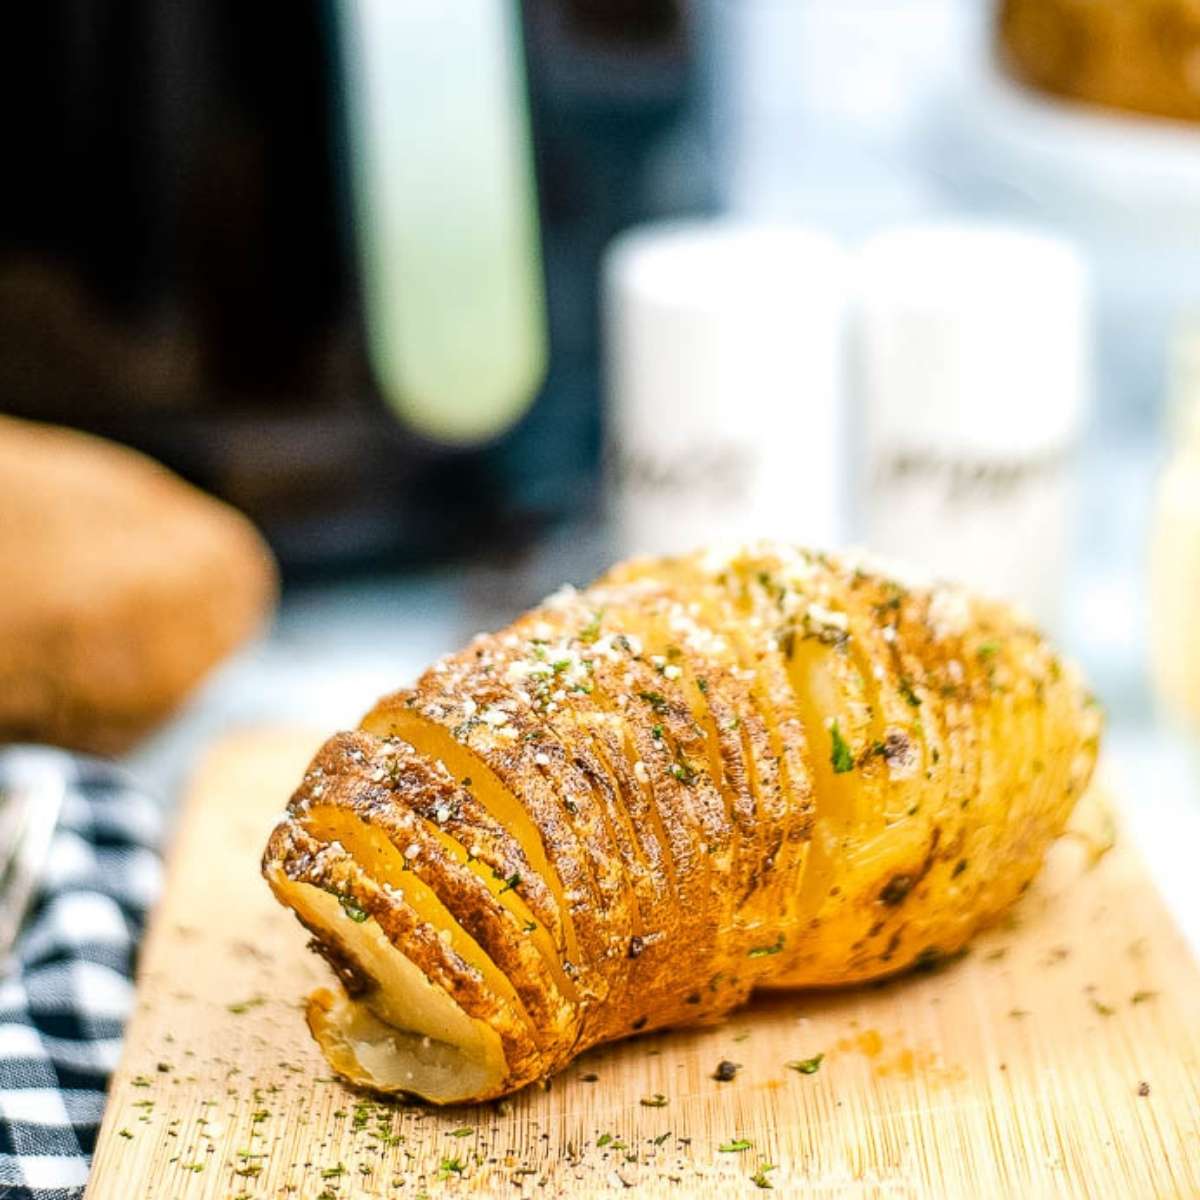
(1061, 1057)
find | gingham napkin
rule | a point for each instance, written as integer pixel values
(64, 1001)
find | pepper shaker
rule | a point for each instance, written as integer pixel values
(974, 374)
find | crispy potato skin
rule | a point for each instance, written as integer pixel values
(700, 776)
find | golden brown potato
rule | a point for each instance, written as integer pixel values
(637, 804)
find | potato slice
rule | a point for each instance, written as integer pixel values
(400, 1003)
(463, 699)
(499, 820)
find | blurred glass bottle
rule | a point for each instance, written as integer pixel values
(1175, 546)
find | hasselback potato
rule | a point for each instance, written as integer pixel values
(701, 776)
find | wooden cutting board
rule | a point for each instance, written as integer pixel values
(1061, 1057)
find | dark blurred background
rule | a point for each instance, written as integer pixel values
(179, 263)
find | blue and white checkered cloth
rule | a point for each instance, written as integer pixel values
(64, 1002)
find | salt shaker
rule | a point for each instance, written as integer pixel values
(973, 366)
(724, 372)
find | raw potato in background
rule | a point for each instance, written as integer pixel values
(122, 587)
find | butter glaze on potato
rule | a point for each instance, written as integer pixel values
(640, 802)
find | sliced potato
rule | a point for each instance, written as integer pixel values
(703, 775)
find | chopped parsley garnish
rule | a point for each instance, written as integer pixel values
(656, 700)
(352, 909)
(242, 1006)
(759, 1178)
(451, 1166)
(896, 890)
(465, 1131)
(702, 684)
(765, 951)
(683, 772)
(591, 631)
(604, 1139)
(510, 883)
(736, 1146)
(806, 1066)
(987, 650)
(840, 756)
(906, 690)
